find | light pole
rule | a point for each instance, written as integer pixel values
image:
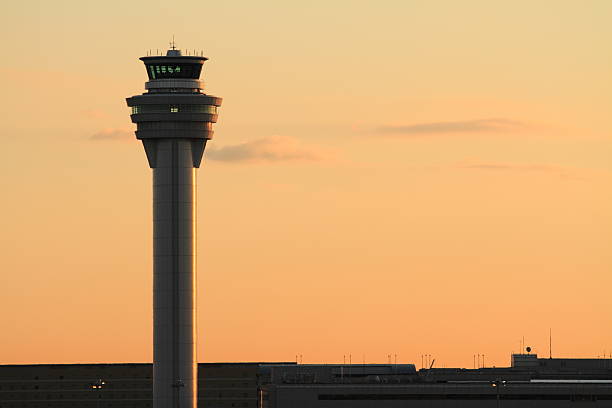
(497, 384)
(98, 386)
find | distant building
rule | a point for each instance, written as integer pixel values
(529, 382)
(121, 385)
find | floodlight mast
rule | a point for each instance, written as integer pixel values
(174, 121)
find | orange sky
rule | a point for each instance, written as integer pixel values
(387, 177)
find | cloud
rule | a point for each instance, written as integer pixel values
(114, 134)
(267, 149)
(561, 171)
(94, 114)
(496, 125)
(511, 166)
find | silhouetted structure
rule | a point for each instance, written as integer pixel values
(125, 385)
(529, 382)
(538, 383)
(174, 121)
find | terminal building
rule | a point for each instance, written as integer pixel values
(528, 382)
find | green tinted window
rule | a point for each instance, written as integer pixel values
(161, 71)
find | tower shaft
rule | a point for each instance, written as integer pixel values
(174, 274)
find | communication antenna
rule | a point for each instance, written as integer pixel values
(550, 343)
(172, 43)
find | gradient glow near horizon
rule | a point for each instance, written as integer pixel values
(389, 177)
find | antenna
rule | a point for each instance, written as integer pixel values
(172, 43)
(550, 343)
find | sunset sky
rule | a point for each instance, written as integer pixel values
(387, 177)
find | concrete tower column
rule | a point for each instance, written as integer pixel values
(174, 274)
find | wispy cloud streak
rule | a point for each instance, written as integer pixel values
(512, 166)
(561, 171)
(112, 135)
(496, 125)
(267, 149)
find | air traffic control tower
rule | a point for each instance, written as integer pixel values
(174, 121)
